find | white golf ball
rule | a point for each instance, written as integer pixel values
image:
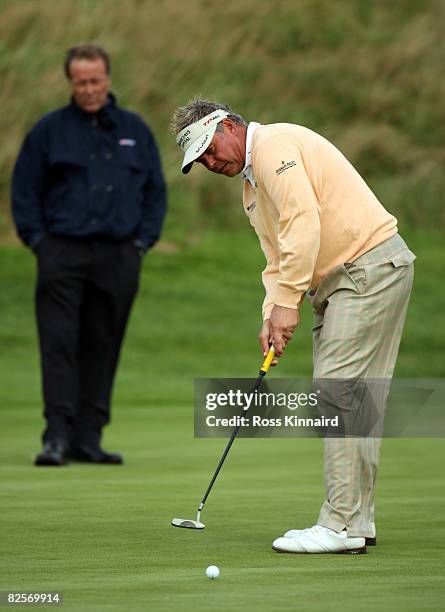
(212, 572)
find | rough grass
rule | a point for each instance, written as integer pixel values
(368, 75)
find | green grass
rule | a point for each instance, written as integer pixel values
(101, 535)
(368, 75)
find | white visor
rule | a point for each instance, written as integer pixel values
(196, 137)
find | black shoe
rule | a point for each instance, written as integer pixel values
(89, 454)
(53, 453)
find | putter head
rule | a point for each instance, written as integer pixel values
(187, 523)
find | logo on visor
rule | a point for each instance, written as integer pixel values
(210, 120)
(202, 144)
(185, 138)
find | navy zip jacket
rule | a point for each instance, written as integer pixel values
(89, 175)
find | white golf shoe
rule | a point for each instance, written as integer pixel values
(294, 533)
(319, 539)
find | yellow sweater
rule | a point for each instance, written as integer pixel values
(311, 209)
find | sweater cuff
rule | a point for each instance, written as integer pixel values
(267, 311)
(286, 298)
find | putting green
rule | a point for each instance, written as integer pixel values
(101, 535)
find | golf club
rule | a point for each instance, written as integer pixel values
(189, 523)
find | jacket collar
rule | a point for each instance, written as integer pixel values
(105, 116)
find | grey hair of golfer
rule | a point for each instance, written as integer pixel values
(197, 109)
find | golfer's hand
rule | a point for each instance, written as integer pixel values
(264, 338)
(279, 329)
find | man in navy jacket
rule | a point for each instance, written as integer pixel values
(89, 199)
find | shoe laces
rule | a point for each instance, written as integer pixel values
(321, 529)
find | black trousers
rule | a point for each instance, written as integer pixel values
(84, 293)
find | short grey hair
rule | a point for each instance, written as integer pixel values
(198, 108)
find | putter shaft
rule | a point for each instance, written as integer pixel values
(262, 373)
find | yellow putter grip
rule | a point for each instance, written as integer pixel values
(266, 364)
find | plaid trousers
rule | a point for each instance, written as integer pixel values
(359, 312)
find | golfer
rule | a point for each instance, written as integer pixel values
(325, 236)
